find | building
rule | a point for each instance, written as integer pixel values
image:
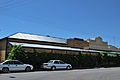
(77, 43)
(37, 43)
(98, 44)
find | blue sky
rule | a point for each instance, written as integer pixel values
(62, 18)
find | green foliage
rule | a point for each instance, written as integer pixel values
(10, 56)
(16, 51)
(77, 61)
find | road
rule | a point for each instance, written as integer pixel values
(84, 74)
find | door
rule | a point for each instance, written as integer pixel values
(10, 65)
(57, 64)
(62, 65)
(19, 65)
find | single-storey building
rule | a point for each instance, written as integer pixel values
(37, 43)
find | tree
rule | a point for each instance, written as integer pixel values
(16, 50)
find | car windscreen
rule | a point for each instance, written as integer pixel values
(50, 61)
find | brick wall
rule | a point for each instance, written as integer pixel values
(77, 43)
(2, 49)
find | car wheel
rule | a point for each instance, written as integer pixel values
(68, 68)
(53, 68)
(27, 69)
(5, 70)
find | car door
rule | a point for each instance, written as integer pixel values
(57, 64)
(62, 65)
(10, 65)
(19, 65)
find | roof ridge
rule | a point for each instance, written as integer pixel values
(36, 35)
(27, 36)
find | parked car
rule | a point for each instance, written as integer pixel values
(14, 65)
(56, 64)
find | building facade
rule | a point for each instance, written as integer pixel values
(98, 44)
(37, 44)
(77, 43)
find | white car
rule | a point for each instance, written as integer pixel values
(56, 64)
(14, 65)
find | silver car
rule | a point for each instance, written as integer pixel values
(14, 65)
(56, 64)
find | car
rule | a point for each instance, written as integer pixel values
(56, 64)
(14, 65)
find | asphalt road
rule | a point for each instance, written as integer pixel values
(86, 74)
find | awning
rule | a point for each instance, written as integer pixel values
(60, 48)
(108, 52)
(49, 47)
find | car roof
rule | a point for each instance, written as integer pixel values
(55, 60)
(8, 60)
(11, 60)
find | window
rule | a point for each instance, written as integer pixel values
(61, 62)
(56, 62)
(1, 61)
(17, 62)
(6, 62)
(9, 62)
(50, 61)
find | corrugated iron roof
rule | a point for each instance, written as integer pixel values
(38, 38)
